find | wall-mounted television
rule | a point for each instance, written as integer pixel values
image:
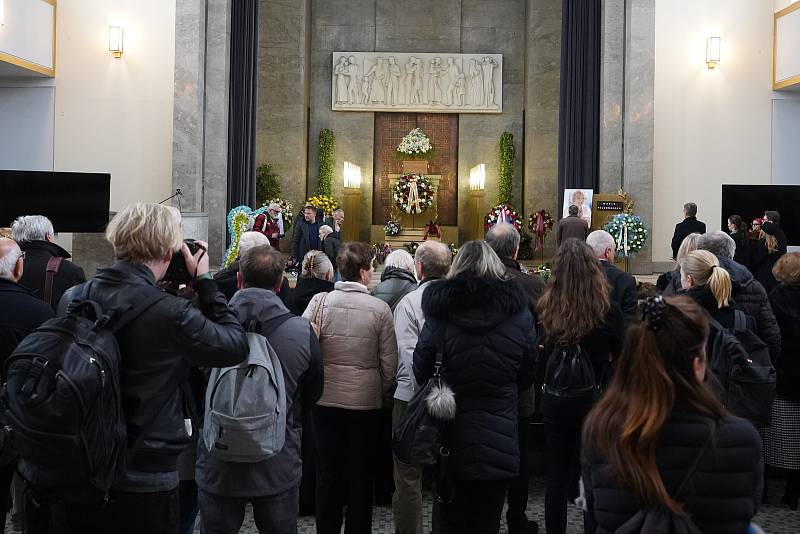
(750, 201)
(74, 201)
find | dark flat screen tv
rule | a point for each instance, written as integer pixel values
(74, 201)
(750, 202)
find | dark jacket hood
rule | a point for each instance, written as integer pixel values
(396, 272)
(473, 303)
(705, 298)
(51, 248)
(256, 304)
(740, 275)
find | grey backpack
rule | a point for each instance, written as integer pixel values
(245, 419)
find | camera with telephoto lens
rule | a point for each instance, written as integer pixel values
(177, 272)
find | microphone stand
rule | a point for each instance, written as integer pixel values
(177, 194)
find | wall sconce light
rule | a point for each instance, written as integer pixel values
(477, 177)
(713, 55)
(352, 175)
(115, 41)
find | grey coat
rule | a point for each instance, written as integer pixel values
(298, 350)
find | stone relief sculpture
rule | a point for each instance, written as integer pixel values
(446, 83)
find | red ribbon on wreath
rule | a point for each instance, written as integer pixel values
(432, 230)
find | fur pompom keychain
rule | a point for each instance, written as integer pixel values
(441, 401)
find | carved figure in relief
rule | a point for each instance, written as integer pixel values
(365, 90)
(342, 76)
(460, 90)
(414, 79)
(354, 85)
(487, 66)
(377, 75)
(408, 81)
(392, 82)
(474, 84)
(435, 73)
(453, 72)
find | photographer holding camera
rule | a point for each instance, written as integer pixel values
(158, 347)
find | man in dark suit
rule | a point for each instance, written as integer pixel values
(689, 225)
(47, 273)
(623, 285)
(306, 234)
(572, 226)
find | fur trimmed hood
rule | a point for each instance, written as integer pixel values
(472, 302)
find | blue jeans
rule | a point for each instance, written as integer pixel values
(273, 514)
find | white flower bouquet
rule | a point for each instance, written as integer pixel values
(415, 144)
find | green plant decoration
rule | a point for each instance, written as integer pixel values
(508, 158)
(268, 184)
(326, 143)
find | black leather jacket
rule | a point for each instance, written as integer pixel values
(157, 350)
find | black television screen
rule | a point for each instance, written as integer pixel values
(750, 202)
(74, 201)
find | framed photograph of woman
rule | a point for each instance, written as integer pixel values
(582, 198)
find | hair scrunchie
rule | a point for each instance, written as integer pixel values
(653, 311)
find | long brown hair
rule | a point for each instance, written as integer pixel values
(655, 368)
(576, 298)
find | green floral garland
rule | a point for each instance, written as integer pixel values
(326, 143)
(629, 233)
(508, 157)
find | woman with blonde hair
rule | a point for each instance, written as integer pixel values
(708, 284)
(577, 316)
(766, 253)
(480, 323)
(659, 441)
(670, 283)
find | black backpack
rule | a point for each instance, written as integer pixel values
(741, 363)
(62, 405)
(570, 383)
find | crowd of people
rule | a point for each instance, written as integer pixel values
(641, 427)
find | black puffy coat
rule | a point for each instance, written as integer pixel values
(725, 316)
(37, 254)
(723, 493)
(395, 284)
(488, 340)
(305, 290)
(752, 299)
(785, 301)
(158, 348)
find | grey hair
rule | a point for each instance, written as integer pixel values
(325, 229)
(9, 261)
(400, 259)
(690, 208)
(316, 264)
(600, 241)
(337, 210)
(31, 228)
(718, 243)
(476, 258)
(504, 239)
(688, 245)
(274, 207)
(250, 240)
(434, 257)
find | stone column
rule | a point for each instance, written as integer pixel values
(283, 80)
(542, 95)
(500, 27)
(200, 139)
(627, 123)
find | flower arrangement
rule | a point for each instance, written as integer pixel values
(629, 233)
(540, 224)
(412, 247)
(415, 144)
(326, 203)
(502, 213)
(287, 208)
(392, 228)
(543, 271)
(240, 219)
(381, 251)
(413, 193)
(453, 249)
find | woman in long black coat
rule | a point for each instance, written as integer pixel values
(481, 323)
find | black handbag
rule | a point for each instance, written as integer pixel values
(417, 438)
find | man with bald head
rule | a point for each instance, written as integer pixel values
(21, 312)
(431, 262)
